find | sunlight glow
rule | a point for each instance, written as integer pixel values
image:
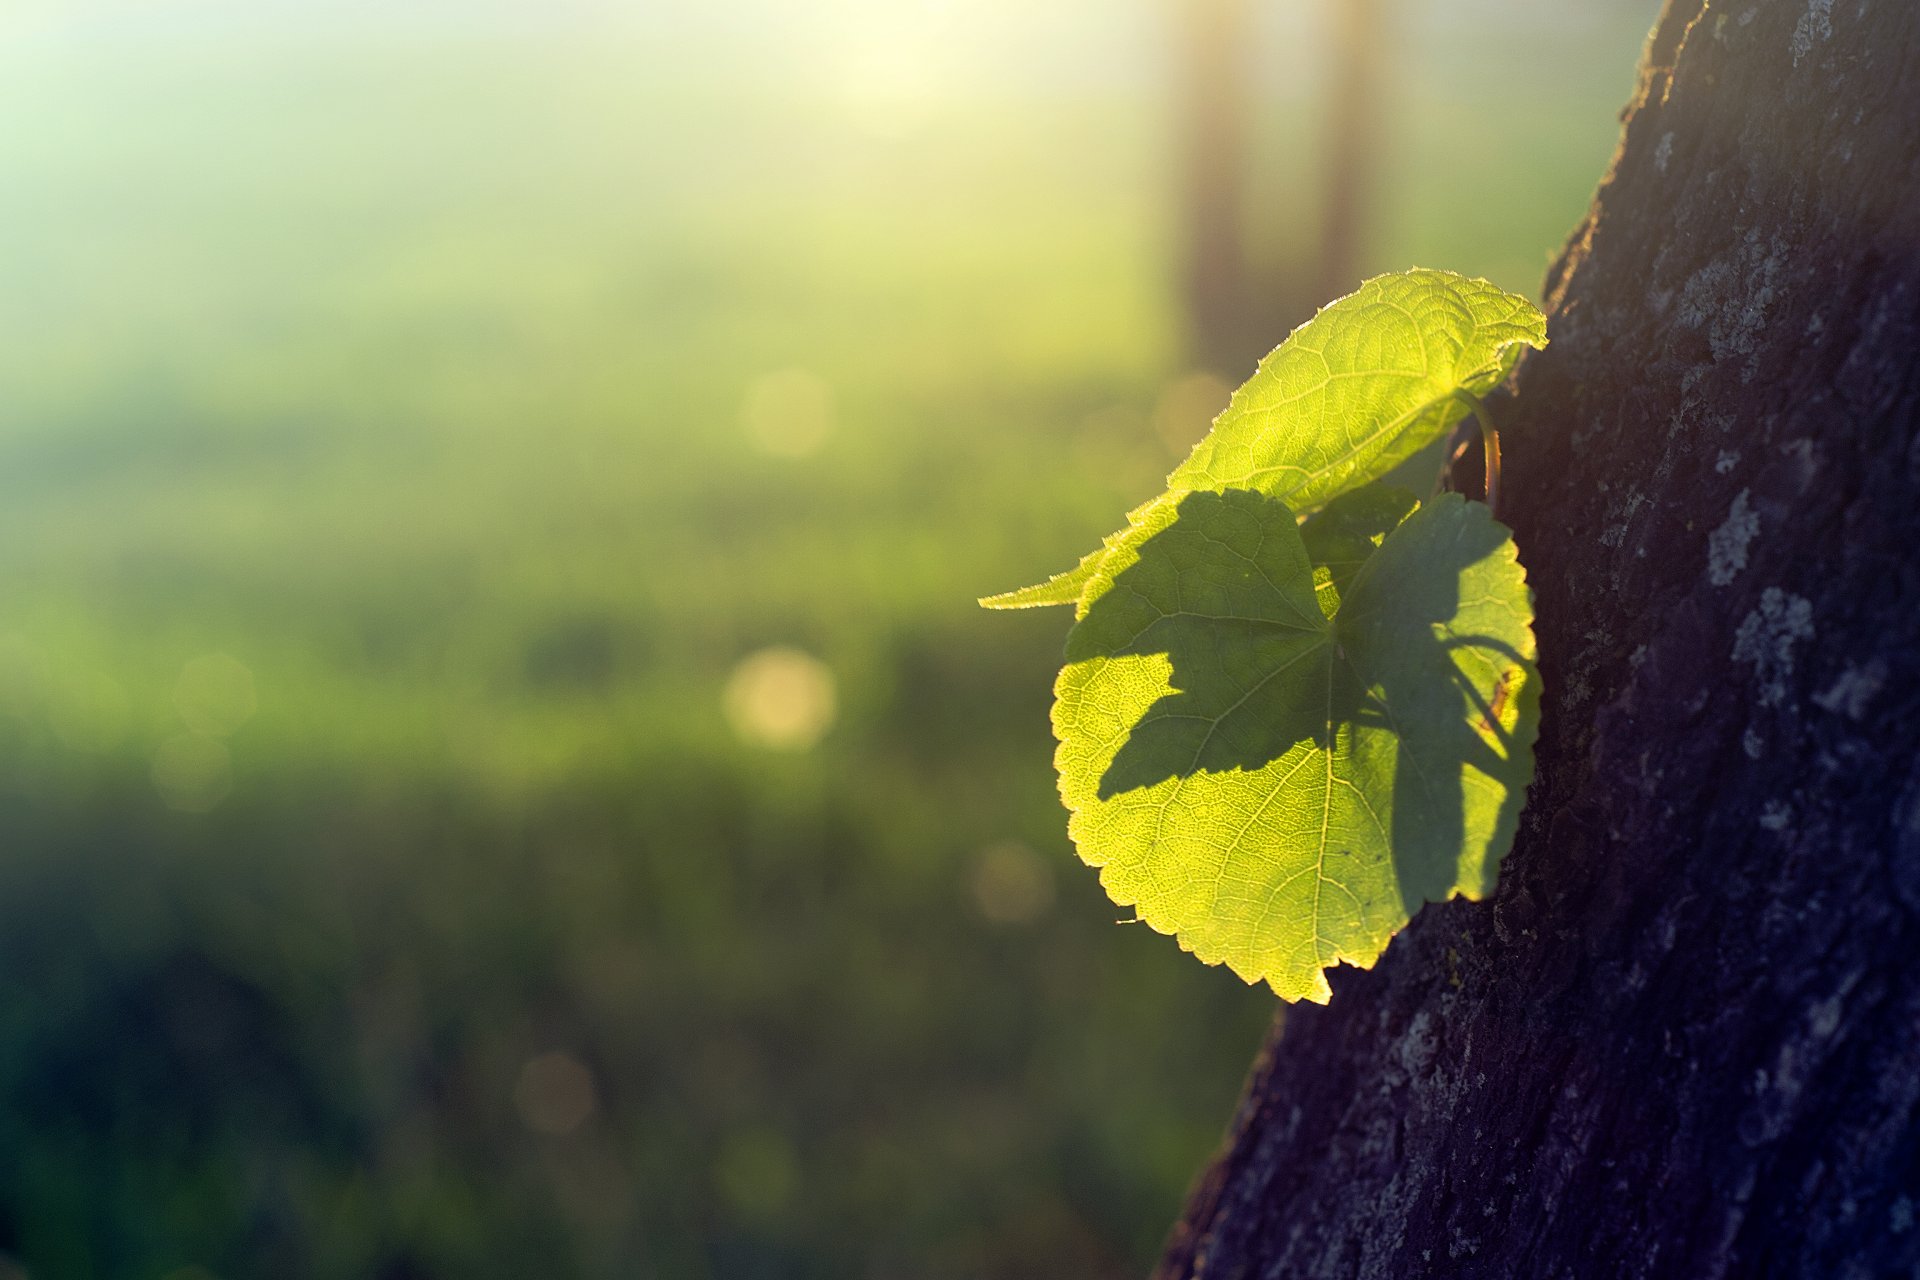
(1011, 883)
(555, 1094)
(192, 772)
(214, 694)
(781, 698)
(788, 413)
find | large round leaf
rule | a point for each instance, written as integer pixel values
(1281, 789)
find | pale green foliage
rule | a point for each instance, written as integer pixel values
(1353, 392)
(1278, 738)
(1363, 385)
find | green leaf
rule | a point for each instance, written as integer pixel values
(1278, 738)
(1281, 789)
(1366, 383)
(1355, 391)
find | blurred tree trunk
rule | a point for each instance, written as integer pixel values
(1351, 142)
(1237, 308)
(1684, 1038)
(1215, 110)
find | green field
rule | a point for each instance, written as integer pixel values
(401, 449)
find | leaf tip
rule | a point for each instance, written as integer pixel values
(1024, 598)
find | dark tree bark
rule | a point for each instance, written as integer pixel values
(1684, 1038)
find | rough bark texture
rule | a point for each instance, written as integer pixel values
(1684, 1038)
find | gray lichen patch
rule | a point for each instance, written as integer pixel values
(1729, 299)
(1815, 25)
(1767, 637)
(1805, 457)
(1854, 690)
(1727, 545)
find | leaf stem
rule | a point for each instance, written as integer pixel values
(1489, 443)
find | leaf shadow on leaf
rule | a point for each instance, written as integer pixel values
(1434, 749)
(1226, 593)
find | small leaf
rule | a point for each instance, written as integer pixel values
(1363, 386)
(1367, 382)
(1280, 789)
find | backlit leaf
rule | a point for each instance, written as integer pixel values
(1368, 382)
(1281, 789)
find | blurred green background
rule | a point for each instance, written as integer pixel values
(501, 772)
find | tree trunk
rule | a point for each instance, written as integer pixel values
(1234, 304)
(1215, 108)
(1684, 1038)
(1351, 146)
